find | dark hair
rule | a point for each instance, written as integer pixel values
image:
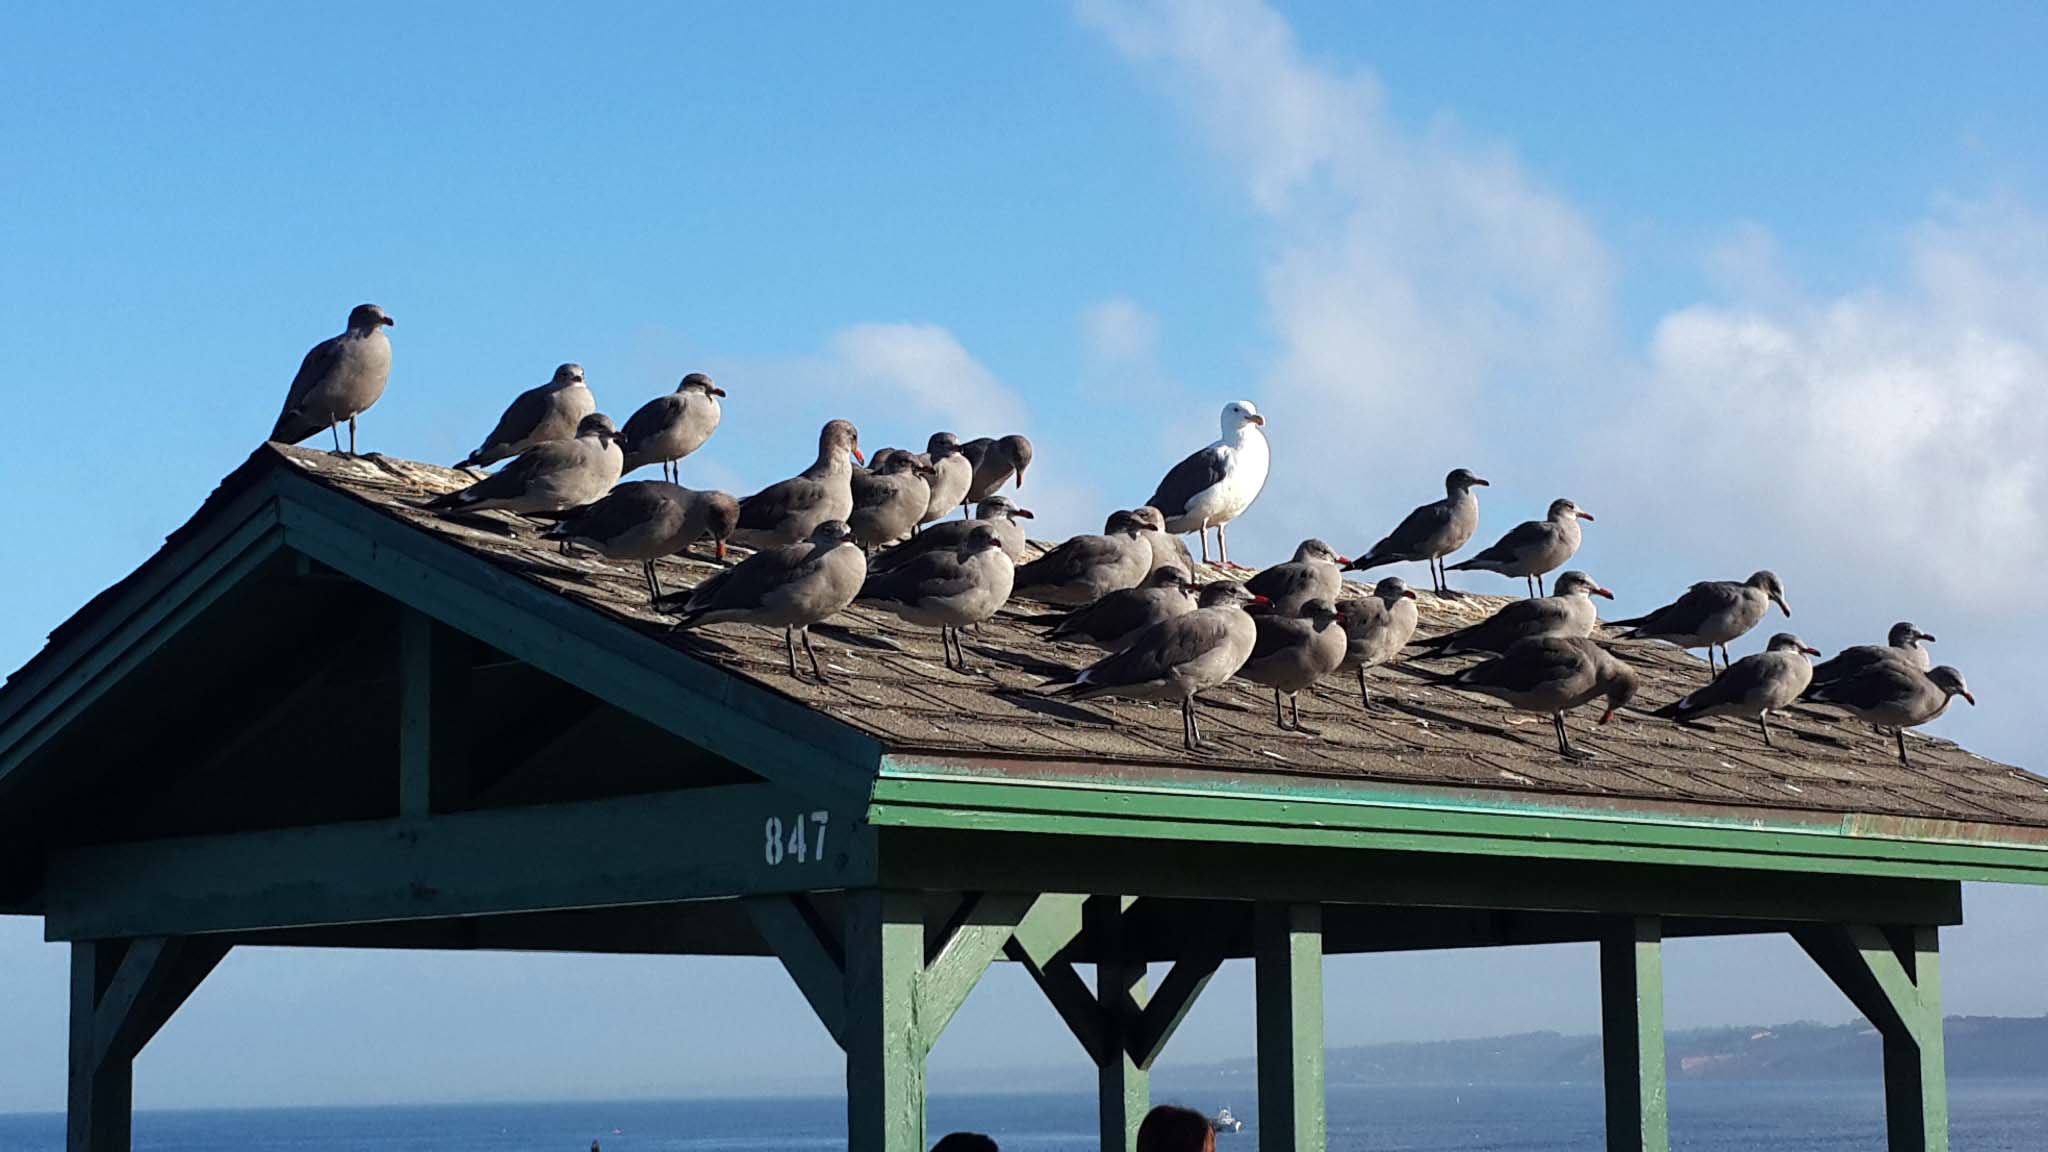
(964, 1142)
(1170, 1129)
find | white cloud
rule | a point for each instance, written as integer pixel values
(1431, 303)
(1119, 334)
(923, 369)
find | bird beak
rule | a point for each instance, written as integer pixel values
(1971, 698)
(1023, 512)
(1482, 483)
(1783, 607)
(718, 550)
(857, 455)
(1343, 559)
(715, 391)
(1927, 636)
(1020, 479)
(1260, 600)
(1603, 592)
(1259, 420)
(1811, 651)
(1584, 515)
(1607, 715)
(388, 322)
(1408, 594)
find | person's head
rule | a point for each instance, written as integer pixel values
(1170, 1129)
(964, 1142)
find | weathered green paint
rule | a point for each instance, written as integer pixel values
(884, 1046)
(1288, 978)
(1123, 1088)
(1220, 869)
(649, 848)
(122, 993)
(1632, 1036)
(130, 633)
(1069, 996)
(951, 974)
(1054, 922)
(1894, 978)
(772, 736)
(812, 958)
(1510, 825)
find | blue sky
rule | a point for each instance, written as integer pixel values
(1759, 287)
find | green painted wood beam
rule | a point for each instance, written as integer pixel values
(1054, 922)
(1163, 1014)
(1069, 996)
(1288, 978)
(733, 840)
(950, 975)
(766, 733)
(810, 955)
(1893, 977)
(1123, 1088)
(122, 993)
(1362, 817)
(433, 689)
(884, 1050)
(1226, 870)
(1632, 1036)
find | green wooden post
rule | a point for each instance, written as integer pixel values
(99, 1105)
(1288, 951)
(1123, 1088)
(432, 694)
(1915, 1067)
(1632, 1036)
(884, 1045)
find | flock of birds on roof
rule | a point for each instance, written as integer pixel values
(848, 530)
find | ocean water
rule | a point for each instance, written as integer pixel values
(1986, 1116)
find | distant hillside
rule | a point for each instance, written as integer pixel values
(1976, 1045)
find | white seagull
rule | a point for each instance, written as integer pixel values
(1214, 486)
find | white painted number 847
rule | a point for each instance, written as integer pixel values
(805, 839)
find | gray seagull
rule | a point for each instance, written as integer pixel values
(1534, 547)
(1376, 628)
(1894, 694)
(552, 411)
(645, 520)
(1115, 620)
(786, 512)
(1293, 652)
(554, 476)
(1432, 531)
(998, 512)
(1901, 643)
(1315, 573)
(947, 589)
(338, 380)
(1553, 674)
(787, 586)
(1568, 611)
(1752, 686)
(1711, 612)
(888, 499)
(1087, 568)
(995, 462)
(668, 428)
(1174, 659)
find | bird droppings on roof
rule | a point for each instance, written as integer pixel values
(889, 682)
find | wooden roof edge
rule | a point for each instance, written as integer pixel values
(269, 503)
(924, 791)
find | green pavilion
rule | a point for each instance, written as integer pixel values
(319, 717)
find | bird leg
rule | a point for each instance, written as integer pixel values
(1202, 534)
(653, 580)
(813, 654)
(1763, 722)
(1539, 585)
(1901, 734)
(1279, 721)
(1724, 657)
(1187, 724)
(351, 435)
(1223, 547)
(789, 646)
(1364, 694)
(334, 430)
(1564, 742)
(1294, 711)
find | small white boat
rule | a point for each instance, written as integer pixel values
(1223, 1121)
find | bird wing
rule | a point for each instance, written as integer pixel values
(1851, 662)
(1685, 615)
(932, 576)
(1413, 532)
(516, 477)
(625, 507)
(1876, 685)
(772, 505)
(1280, 581)
(1276, 633)
(650, 419)
(1070, 561)
(1190, 478)
(747, 584)
(521, 418)
(1523, 537)
(1160, 649)
(1527, 666)
(320, 362)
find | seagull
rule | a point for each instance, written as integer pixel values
(1568, 611)
(1377, 627)
(1894, 694)
(1176, 658)
(1293, 652)
(887, 500)
(1214, 486)
(1901, 643)
(1711, 612)
(1752, 686)
(998, 512)
(948, 589)
(1115, 620)
(995, 462)
(338, 380)
(1315, 573)
(1533, 547)
(553, 411)
(553, 476)
(787, 586)
(1553, 674)
(645, 520)
(1087, 568)
(1432, 531)
(952, 475)
(668, 428)
(1168, 550)
(788, 511)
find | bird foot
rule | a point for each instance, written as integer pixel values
(1579, 754)
(1302, 729)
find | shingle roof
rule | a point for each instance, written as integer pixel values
(890, 682)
